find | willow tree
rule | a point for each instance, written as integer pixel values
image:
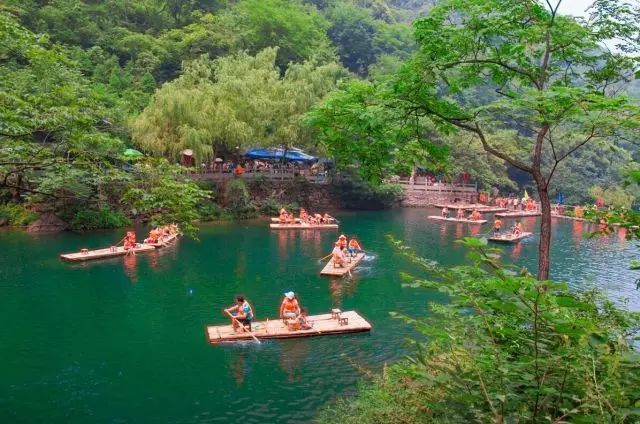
(236, 101)
(485, 66)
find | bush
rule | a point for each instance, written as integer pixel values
(211, 211)
(506, 348)
(357, 194)
(239, 201)
(105, 218)
(271, 206)
(17, 215)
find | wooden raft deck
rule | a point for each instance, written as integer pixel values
(323, 325)
(555, 215)
(470, 206)
(465, 221)
(329, 269)
(277, 220)
(104, 253)
(164, 241)
(509, 237)
(517, 214)
(303, 227)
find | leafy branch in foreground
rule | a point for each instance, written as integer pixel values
(506, 348)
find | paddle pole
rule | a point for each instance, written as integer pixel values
(322, 259)
(242, 326)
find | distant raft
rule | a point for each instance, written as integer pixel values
(517, 214)
(323, 325)
(509, 237)
(277, 220)
(303, 226)
(463, 220)
(470, 206)
(331, 269)
(110, 252)
(555, 215)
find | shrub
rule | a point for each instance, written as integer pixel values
(211, 211)
(239, 201)
(105, 218)
(506, 348)
(271, 206)
(17, 215)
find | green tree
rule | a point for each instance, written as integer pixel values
(489, 65)
(237, 101)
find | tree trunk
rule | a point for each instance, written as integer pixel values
(544, 249)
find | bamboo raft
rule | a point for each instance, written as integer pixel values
(555, 215)
(509, 237)
(464, 220)
(277, 220)
(164, 241)
(303, 226)
(470, 206)
(323, 325)
(109, 252)
(517, 214)
(330, 269)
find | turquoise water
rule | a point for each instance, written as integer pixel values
(123, 340)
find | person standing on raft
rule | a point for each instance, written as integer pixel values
(517, 229)
(460, 214)
(337, 255)
(445, 212)
(241, 313)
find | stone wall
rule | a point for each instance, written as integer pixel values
(420, 196)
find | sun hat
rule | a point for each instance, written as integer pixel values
(289, 295)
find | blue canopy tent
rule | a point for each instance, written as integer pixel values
(294, 155)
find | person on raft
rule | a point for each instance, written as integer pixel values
(342, 241)
(517, 229)
(353, 247)
(241, 313)
(283, 216)
(475, 215)
(497, 226)
(130, 240)
(305, 324)
(460, 214)
(337, 255)
(445, 212)
(289, 308)
(326, 218)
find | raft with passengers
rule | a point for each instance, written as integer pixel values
(344, 257)
(516, 234)
(474, 218)
(293, 322)
(306, 221)
(158, 237)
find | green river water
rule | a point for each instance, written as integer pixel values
(122, 340)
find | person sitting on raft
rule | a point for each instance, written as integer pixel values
(289, 308)
(353, 247)
(326, 218)
(305, 324)
(497, 226)
(241, 313)
(460, 214)
(445, 212)
(338, 256)
(517, 229)
(154, 235)
(303, 215)
(342, 241)
(283, 216)
(475, 215)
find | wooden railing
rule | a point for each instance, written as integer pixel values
(421, 184)
(270, 175)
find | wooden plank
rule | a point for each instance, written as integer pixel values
(104, 253)
(466, 221)
(303, 226)
(470, 206)
(509, 237)
(329, 269)
(517, 214)
(323, 325)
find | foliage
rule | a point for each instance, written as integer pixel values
(238, 200)
(357, 127)
(507, 348)
(354, 193)
(86, 220)
(17, 215)
(271, 206)
(615, 196)
(165, 194)
(211, 211)
(235, 101)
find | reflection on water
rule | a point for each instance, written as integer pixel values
(130, 264)
(292, 357)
